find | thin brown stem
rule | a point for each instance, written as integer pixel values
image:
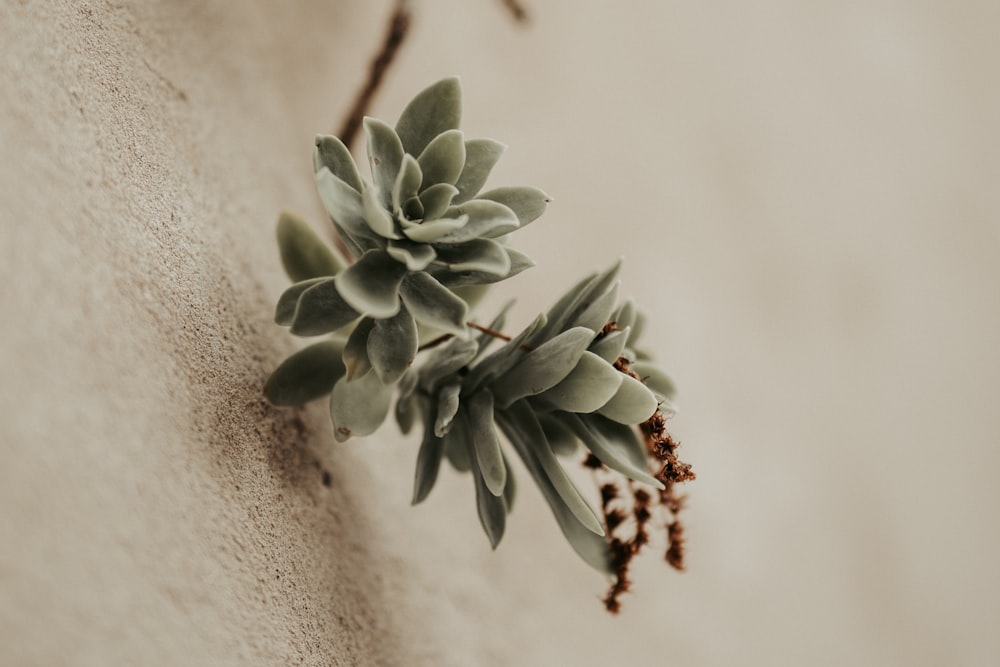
(398, 28)
(487, 330)
(517, 10)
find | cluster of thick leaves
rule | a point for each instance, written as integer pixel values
(418, 233)
(550, 388)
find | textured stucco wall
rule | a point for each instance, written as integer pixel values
(804, 195)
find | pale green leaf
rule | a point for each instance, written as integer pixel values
(427, 232)
(343, 204)
(486, 443)
(333, 154)
(359, 407)
(308, 374)
(432, 304)
(618, 453)
(487, 219)
(416, 256)
(385, 155)
(446, 408)
(528, 203)
(481, 155)
(447, 359)
(542, 368)
(436, 199)
(442, 160)
(590, 385)
(303, 254)
(371, 285)
(610, 346)
(407, 184)
(378, 219)
(479, 255)
(321, 310)
(436, 109)
(284, 311)
(356, 350)
(392, 346)
(633, 403)
(428, 465)
(656, 379)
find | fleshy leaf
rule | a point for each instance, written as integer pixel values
(447, 408)
(407, 183)
(654, 378)
(446, 360)
(359, 407)
(518, 263)
(486, 444)
(432, 230)
(308, 374)
(406, 412)
(284, 311)
(321, 310)
(392, 346)
(575, 302)
(479, 255)
(356, 350)
(415, 256)
(376, 216)
(303, 253)
(542, 368)
(333, 154)
(596, 315)
(633, 403)
(590, 546)
(487, 219)
(436, 199)
(527, 203)
(616, 453)
(371, 285)
(434, 110)
(610, 346)
(590, 385)
(510, 488)
(428, 465)
(491, 508)
(626, 314)
(560, 438)
(432, 304)
(342, 203)
(456, 450)
(481, 155)
(385, 155)
(500, 361)
(523, 425)
(442, 160)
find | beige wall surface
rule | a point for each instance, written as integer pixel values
(805, 197)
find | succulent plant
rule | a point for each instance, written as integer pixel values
(415, 240)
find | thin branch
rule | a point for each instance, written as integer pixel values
(517, 10)
(398, 28)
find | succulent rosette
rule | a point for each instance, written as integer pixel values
(419, 231)
(562, 381)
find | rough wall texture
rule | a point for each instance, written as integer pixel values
(805, 197)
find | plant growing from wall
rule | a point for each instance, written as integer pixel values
(424, 241)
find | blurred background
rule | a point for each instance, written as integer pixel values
(805, 197)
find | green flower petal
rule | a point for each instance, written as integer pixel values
(333, 154)
(434, 110)
(359, 407)
(485, 442)
(542, 368)
(371, 285)
(432, 304)
(527, 203)
(308, 374)
(392, 346)
(320, 310)
(303, 254)
(590, 385)
(385, 155)
(443, 159)
(481, 155)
